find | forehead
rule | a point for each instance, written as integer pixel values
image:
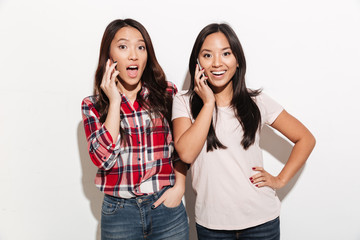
(216, 40)
(128, 34)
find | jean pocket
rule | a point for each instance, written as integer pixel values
(172, 208)
(110, 207)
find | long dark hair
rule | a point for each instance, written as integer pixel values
(246, 110)
(159, 100)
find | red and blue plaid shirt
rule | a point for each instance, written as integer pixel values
(140, 165)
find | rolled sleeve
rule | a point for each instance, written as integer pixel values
(102, 150)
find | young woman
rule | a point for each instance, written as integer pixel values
(216, 130)
(127, 125)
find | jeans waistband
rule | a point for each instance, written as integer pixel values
(142, 198)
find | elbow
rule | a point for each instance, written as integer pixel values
(186, 158)
(312, 141)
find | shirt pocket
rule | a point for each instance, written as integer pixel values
(159, 140)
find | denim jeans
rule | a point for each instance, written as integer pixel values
(267, 231)
(134, 219)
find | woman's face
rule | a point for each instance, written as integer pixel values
(129, 50)
(218, 60)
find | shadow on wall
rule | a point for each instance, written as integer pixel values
(280, 149)
(89, 170)
(270, 142)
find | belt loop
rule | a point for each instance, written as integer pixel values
(121, 202)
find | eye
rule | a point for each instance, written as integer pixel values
(142, 47)
(122, 47)
(206, 55)
(227, 54)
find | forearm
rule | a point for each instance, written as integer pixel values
(190, 143)
(112, 122)
(180, 170)
(298, 156)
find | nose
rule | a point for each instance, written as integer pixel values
(217, 61)
(133, 54)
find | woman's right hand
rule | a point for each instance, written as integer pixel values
(108, 82)
(202, 88)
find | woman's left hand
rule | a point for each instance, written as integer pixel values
(263, 178)
(171, 197)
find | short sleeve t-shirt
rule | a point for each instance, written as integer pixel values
(225, 197)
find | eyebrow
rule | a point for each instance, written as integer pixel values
(225, 48)
(127, 40)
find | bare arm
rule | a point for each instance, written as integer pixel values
(304, 142)
(189, 138)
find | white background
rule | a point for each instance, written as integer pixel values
(305, 54)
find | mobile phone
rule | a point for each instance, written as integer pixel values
(200, 68)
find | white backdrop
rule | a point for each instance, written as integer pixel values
(305, 54)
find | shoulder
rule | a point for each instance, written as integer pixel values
(89, 101)
(264, 99)
(171, 88)
(183, 94)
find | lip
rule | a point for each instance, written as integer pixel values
(132, 66)
(132, 70)
(218, 73)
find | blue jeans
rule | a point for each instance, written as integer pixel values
(134, 219)
(267, 231)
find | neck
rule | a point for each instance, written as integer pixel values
(130, 91)
(224, 96)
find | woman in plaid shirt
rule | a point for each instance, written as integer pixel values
(128, 128)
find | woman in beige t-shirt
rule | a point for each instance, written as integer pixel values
(216, 130)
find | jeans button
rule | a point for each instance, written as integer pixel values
(140, 201)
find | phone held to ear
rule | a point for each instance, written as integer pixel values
(200, 68)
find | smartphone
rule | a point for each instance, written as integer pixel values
(200, 68)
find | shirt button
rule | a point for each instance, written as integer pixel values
(139, 159)
(140, 200)
(104, 157)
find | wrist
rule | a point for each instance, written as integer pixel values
(179, 187)
(281, 182)
(210, 104)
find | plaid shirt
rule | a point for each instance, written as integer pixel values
(140, 165)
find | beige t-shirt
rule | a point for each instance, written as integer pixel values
(225, 197)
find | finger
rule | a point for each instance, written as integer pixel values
(158, 202)
(262, 184)
(258, 169)
(107, 65)
(113, 76)
(259, 180)
(202, 81)
(110, 71)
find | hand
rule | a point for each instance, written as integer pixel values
(263, 178)
(171, 197)
(201, 87)
(108, 82)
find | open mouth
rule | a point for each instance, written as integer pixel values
(132, 71)
(218, 73)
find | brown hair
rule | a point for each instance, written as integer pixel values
(159, 100)
(246, 110)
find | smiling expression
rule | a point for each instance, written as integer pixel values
(218, 60)
(129, 50)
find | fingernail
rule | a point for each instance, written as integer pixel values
(153, 206)
(250, 178)
(256, 185)
(253, 168)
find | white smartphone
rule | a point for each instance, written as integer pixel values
(200, 68)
